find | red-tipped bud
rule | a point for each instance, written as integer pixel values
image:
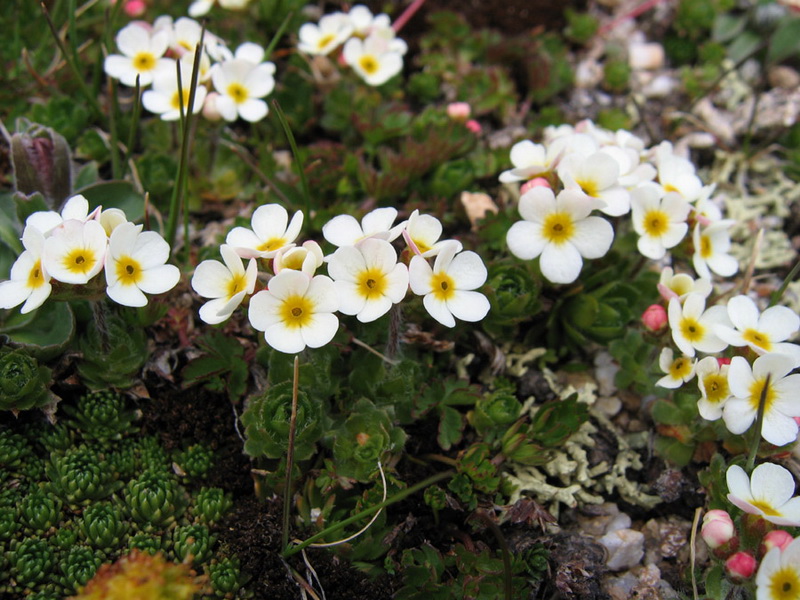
(473, 126)
(654, 317)
(459, 111)
(740, 566)
(535, 182)
(722, 361)
(717, 528)
(777, 538)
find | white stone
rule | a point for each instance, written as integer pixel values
(625, 548)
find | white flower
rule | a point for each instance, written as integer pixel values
(447, 288)
(679, 285)
(333, 30)
(75, 251)
(76, 207)
(344, 230)
(142, 55)
(712, 379)
(768, 493)
(537, 160)
(296, 311)
(762, 333)
(678, 370)
(368, 278)
(597, 176)
(163, 99)
(778, 576)
(306, 258)
(226, 284)
(241, 84)
(660, 222)
(372, 59)
(711, 246)
(677, 174)
(198, 8)
(422, 234)
(29, 281)
(271, 232)
(769, 378)
(135, 264)
(560, 230)
(693, 327)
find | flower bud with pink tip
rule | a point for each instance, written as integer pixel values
(459, 111)
(740, 566)
(719, 533)
(777, 538)
(654, 317)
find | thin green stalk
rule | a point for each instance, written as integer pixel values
(778, 294)
(287, 488)
(178, 195)
(137, 111)
(112, 128)
(78, 76)
(367, 512)
(278, 35)
(293, 145)
(762, 401)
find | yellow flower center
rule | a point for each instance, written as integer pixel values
(296, 312)
(785, 584)
(558, 228)
(128, 270)
(35, 277)
(716, 387)
(756, 338)
(421, 246)
(236, 284)
(680, 368)
(80, 260)
(765, 508)
(368, 63)
(691, 329)
(670, 188)
(589, 187)
(271, 245)
(325, 40)
(681, 284)
(144, 61)
(175, 102)
(372, 283)
(758, 388)
(443, 286)
(706, 249)
(656, 223)
(238, 92)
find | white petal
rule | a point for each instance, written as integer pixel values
(342, 230)
(524, 240)
(467, 271)
(438, 310)
(419, 276)
(772, 483)
(743, 313)
(158, 280)
(285, 339)
(253, 110)
(560, 264)
(210, 279)
(778, 429)
(320, 330)
(264, 310)
(738, 482)
(322, 293)
(468, 306)
(127, 295)
(593, 237)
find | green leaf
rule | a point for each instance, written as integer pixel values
(9, 225)
(785, 42)
(87, 175)
(115, 194)
(27, 205)
(44, 333)
(674, 450)
(451, 425)
(727, 26)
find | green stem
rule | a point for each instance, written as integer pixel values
(778, 294)
(287, 488)
(183, 165)
(293, 145)
(367, 512)
(137, 111)
(112, 128)
(762, 401)
(278, 35)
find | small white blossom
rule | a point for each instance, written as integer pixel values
(345, 230)
(142, 55)
(163, 99)
(135, 264)
(241, 85)
(306, 258)
(325, 37)
(679, 285)
(693, 327)
(422, 233)
(660, 222)
(447, 288)
(75, 251)
(372, 59)
(678, 370)
(711, 246)
(296, 311)
(226, 284)
(778, 576)
(597, 176)
(768, 493)
(712, 379)
(29, 281)
(271, 232)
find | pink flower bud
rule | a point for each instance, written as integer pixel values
(740, 566)
(210, 110)
(535, 182)
(473, 126)
(717, 528)
(135, 8)
(654, 317)
(777, 538)
(723, 361)
(459, 111)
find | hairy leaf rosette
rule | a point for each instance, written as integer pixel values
(23, 381)
(266, 421)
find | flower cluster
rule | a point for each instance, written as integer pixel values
(231, 85)
(579, 171)
(75, 245)
(366, 277)
(366, 42)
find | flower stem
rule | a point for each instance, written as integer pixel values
(367, 512)
(762, 401)
(287, 488)
(293, 145)
(778, 294)
(407, 14)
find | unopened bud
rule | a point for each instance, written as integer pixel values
(777, 538)
(717, 528)
(654, 317)
(740, 566)
(42, 162)
(473, 126)
(535, 182)
(459, 111)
